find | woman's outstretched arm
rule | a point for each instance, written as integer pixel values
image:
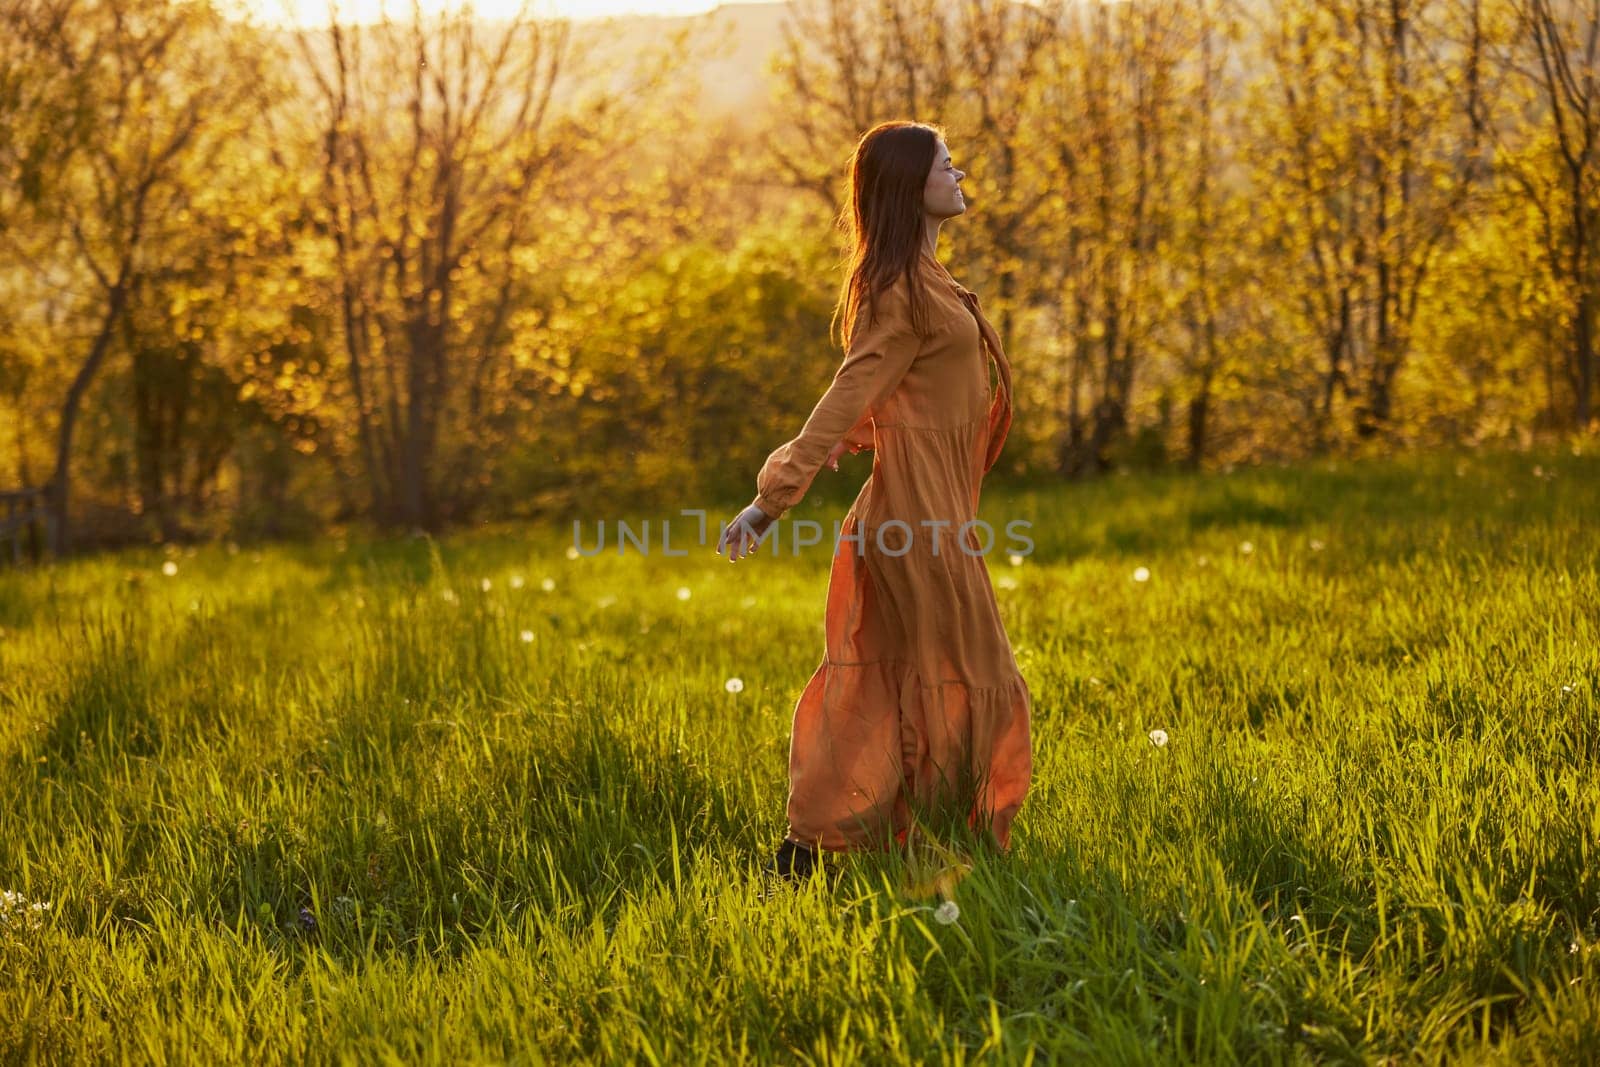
(880, 354)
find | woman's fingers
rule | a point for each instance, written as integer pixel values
(733, 539)
(740, 538)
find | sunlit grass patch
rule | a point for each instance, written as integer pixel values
(1329, 798)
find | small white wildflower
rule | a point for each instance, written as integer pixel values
(683, 592)
(1006, 582)
(1246, 547)
(526, 636)
(1566, 689)
(734, 685)
(572, 552)
(16, 908)
(548, 585)
(1158, 737)
(518, 581)
(1316, 545)
(169, 568)
(1141, 574)
(947, 913)
(1016, 559)
(486, 585)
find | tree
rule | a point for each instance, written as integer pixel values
(440, 135)
(1561, 176)
(139, 83)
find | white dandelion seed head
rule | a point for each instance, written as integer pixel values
(1016, 559)
(449, 595)
(1141, 574)
(683, 592)
(1316, 545)
(526, 636)
(169, 568)
(572, 551)
(1158, 737)
(1246, 547)
(518, 581)
(734, 685)
(947, 913)
(1006, 582)
(486, 585)
(548, 585)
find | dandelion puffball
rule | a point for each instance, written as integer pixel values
(1016, 559)
(572, 551)
(517, 581)
(734, 685)
(548, 585)
(1141, 574)
(1158, 737)
(169, 568)
(947, 913)
(683, 592)
(527, 637)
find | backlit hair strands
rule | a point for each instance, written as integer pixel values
(883, 221)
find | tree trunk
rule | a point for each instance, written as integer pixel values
(60, 481)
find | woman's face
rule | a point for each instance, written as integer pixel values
(942, 197)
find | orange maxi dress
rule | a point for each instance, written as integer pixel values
(918, 693)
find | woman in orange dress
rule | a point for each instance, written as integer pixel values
(918, 700)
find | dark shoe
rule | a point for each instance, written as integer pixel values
(794, 861)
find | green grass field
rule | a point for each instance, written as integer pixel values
(399, 800)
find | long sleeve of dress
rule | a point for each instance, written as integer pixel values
(880, 354)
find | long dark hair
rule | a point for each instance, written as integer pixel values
(883, 221)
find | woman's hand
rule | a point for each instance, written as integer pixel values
(838, 450)
(745, 533)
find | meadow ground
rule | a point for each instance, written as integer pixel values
(477, 801)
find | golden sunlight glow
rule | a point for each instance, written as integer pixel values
(315, 12)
